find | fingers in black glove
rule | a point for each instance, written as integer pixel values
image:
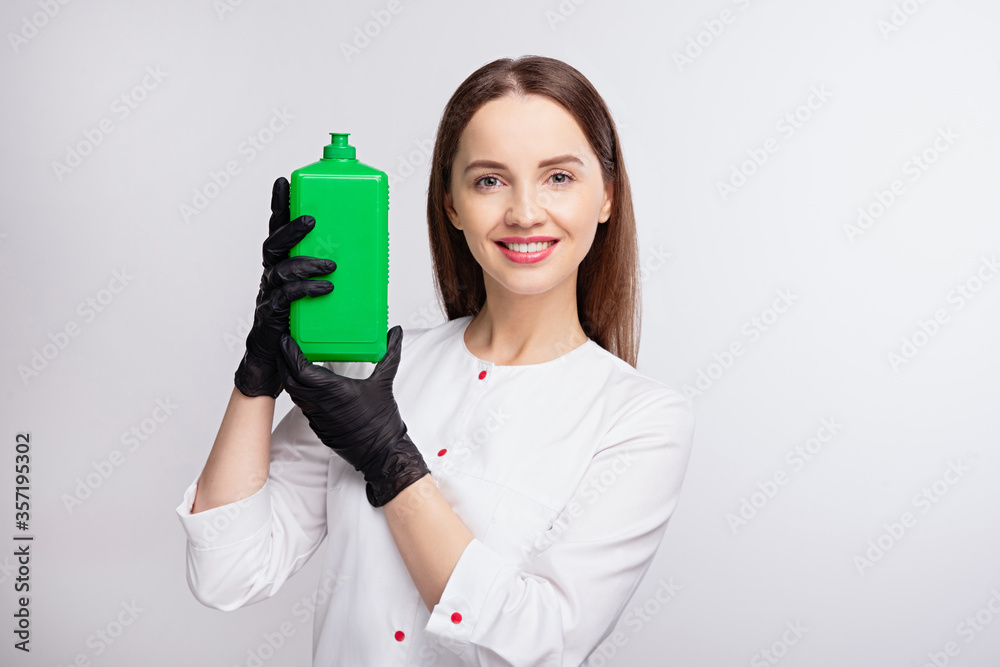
(296, 269)
(279, 205)
(284, 279)
(284, 238)
(357, 419)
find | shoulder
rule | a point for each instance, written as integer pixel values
(637, 403)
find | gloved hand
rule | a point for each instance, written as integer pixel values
(358, 419)
(283, 281)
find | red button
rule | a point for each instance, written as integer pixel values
(442, 452)
(400, 635)
(456, 618)
(482, 374)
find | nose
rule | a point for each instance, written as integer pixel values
(527, 207)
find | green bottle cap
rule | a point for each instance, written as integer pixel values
(338, 148)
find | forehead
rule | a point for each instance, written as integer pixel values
(528, 128)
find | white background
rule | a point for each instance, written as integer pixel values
(174, 329)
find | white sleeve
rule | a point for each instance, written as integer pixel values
(560, 605)
(242, 553)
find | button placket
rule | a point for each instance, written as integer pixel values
(485, 369)
(440, 463)
(402, 637)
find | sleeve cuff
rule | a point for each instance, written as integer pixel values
(453, 619)
(227, 524)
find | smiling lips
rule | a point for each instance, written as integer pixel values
(527, 251)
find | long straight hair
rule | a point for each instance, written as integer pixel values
(608, 285)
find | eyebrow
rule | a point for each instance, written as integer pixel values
(559, 159)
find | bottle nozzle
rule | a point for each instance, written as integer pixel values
(338, 148)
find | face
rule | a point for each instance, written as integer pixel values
(525, 172)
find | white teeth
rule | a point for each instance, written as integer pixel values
(528, 247)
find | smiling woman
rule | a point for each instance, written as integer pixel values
(527, 151)
(494, 490)
(522, 207)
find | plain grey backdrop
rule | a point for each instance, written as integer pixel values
(816, 194)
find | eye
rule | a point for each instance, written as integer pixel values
(565, 177)
(488, 177)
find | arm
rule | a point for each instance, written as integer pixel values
(243, 552)
(247, 529)
(238, 463)
(569, 596)
(429, 535)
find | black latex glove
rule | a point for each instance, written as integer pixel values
(284, 280)
(358, 419)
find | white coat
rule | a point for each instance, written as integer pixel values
(566, 472)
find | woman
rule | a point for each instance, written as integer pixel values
(517, 472)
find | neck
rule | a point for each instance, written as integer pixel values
(516, 329)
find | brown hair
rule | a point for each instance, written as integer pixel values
(607, 287)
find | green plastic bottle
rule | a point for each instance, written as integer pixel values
(350, 202)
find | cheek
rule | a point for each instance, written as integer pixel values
(476, 212)
(576, 212)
